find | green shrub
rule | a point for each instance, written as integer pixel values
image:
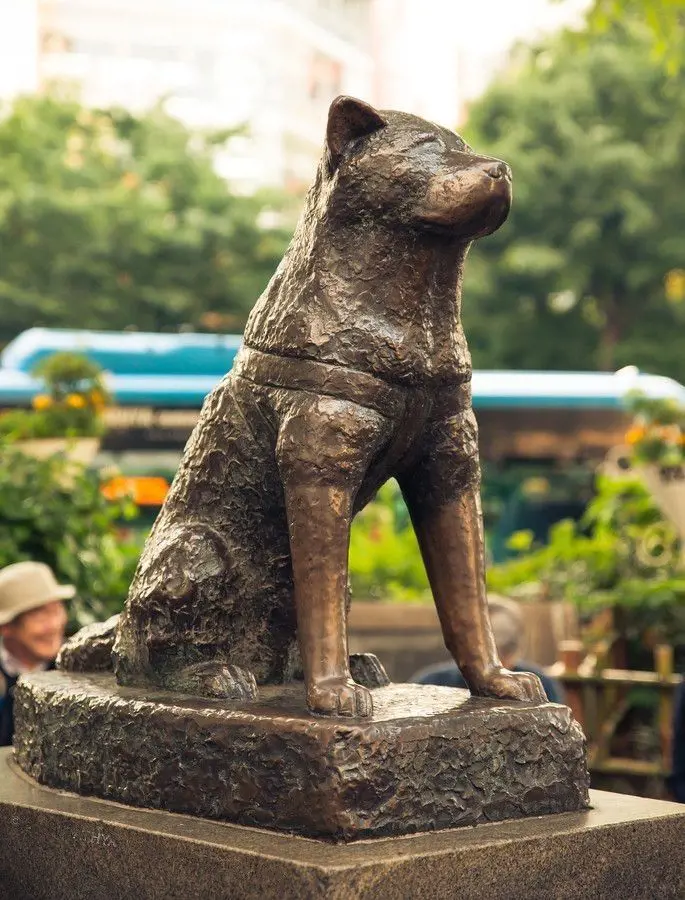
(71, 407)
(385, 563)
(622, 554)
(52, 511)
(658, 432)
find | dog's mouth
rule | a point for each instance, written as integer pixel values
(492, 217)
(471, 223)
(468, 204)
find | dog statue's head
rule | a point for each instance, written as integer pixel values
(410, 172)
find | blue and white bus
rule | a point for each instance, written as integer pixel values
(541, 433)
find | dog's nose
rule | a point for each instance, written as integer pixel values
(498, 170)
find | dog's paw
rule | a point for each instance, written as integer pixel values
(506, 685)
(214, 679)
(366, 669)
(339, 697)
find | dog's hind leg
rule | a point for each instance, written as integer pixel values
(185, 563)
(212, 597)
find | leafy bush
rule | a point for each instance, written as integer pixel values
(108, 219)
(71, 407)
(621, 554)
(658, 432)
(385, 563)
(52, 511)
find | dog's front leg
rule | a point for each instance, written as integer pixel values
(443, 496)
(323, 451)
(319, 522)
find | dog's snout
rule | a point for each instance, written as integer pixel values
(498, 170)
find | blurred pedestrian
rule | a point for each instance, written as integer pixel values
(32, 622)
(507, 627)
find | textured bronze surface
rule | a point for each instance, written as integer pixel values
(354, 369)
(429, 758)
(90, 649)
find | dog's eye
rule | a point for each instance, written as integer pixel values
(427, 139)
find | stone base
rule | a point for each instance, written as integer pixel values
(56, 846)
(429, 758)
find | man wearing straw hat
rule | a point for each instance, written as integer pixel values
(32, 623)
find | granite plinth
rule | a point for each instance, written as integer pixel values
(57, 846)
(429, 758)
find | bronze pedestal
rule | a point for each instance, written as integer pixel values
(429, 758)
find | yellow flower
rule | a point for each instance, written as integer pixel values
(76, 401)
(41, 401)
(130, 180)
(635, 434)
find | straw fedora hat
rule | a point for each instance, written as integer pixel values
(28, 585)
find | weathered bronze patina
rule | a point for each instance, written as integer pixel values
(430, 758)
(354, 369)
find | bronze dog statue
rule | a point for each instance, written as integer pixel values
(354, 369)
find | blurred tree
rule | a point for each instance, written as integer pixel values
(587, 271)
(665, 19)
(108, 220)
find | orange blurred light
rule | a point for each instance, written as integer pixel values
(143, 490)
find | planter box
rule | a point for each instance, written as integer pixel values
(78, 450)
(404, 636)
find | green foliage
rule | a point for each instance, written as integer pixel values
(385, 560)
(70, 373)
(109, 220)
(658, 433)
(52, 510)
(530, 494)
(665, 20)
(622, 554)
(59, 421)
(71, 408)
(583, 275)
(385, 563)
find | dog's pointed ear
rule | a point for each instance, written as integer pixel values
(348, 119)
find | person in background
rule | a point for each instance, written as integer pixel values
(32, 623)
(507, 626)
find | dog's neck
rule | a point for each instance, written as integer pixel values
(361, 291)
(407, 270)
(402, 270)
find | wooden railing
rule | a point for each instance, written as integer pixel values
(601, 697)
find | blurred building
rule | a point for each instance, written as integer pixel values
(415, 49)
(272, 65)
(434, 57)
(18, 47)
